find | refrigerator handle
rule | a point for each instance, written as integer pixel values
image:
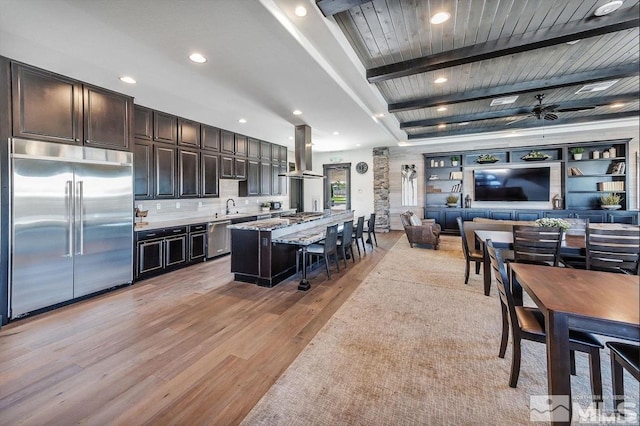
(69, 200)
(80, 214)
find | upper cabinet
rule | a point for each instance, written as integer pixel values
(241, 145)
(253, 148)
(210, 138)
(142, 123)
(51, 107)
(188, 133)
(165, 127)
(227, 142)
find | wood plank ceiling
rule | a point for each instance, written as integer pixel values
(491, 49)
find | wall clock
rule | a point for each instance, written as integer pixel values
(362, 167)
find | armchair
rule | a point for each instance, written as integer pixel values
(425, 231)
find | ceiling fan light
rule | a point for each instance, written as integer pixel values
(440, 18)
(607, 8)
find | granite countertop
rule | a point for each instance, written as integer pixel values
(276, 223)
(203, 219)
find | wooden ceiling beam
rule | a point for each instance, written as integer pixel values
(526, 125)
(332, 7)
(592, 27)
(454, 119)
(586, 77)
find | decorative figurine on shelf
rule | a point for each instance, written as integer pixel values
(467, 202)
(612, 152)
(557, 202)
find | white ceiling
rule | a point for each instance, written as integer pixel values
(264, 62)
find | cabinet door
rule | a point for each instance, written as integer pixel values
(265, 178)
(253, 148)
(265, 151)
(165, 127)
(142, 123)
(253, 177)
(240, 168)
(594, 216)
(227, 142)
(283, 154)
(209, 165)
(164, 165)
(197, 246)
(283, 180)
(188, 133)
(150, 256)
(46, 106)
(210, 138)
(241, 145)
(175, 250)
(143, 169)
(227, 166)
(188, 173)
(275, 179)
(106, 118)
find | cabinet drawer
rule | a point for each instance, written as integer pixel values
(199, 227)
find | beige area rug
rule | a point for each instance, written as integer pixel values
(414, 346)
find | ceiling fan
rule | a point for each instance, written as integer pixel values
(547, 112)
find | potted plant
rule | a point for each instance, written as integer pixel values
(577, 152)
(486, 158)
(454, 161)
(535, 156)
(265, 206)
(610, 201)
(452, 200)
(553, 222)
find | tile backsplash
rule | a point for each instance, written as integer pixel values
(194, 207)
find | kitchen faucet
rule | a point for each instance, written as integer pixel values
(234, 204)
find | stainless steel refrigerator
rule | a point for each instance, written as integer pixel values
(71, 223)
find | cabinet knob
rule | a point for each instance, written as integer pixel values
(77, 139)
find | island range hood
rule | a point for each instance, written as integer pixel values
(302, 153)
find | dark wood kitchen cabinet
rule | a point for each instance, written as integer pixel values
(251, 186)
(165, 171)
(278, 183)
(210, 138)
(188, 133)
(265, 151)
(265, 178)
(142, 123)
(165, 127)
(188, 173)
(142, 169)
(253, 148)
(55, 108)
(160, 250)
(210, 183)
(241, 145)
(227, 142)
(197, 242)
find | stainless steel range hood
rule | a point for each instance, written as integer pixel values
(302, 152)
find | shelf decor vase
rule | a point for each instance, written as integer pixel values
(611, 206)
(452, 204)
(577, 156)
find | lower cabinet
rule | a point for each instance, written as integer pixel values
(160, 250)
(197, 242)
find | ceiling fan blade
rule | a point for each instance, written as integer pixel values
(574, 109)
(549, 108)
(549, 116)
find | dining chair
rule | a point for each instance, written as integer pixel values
(527, 323)
(539, 245)
(371, 230)
(345, 241)
(623, 356)
(328, 249)
(471, 253)
(357, 235)
(613, 249)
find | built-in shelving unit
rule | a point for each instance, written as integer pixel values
(443, 179)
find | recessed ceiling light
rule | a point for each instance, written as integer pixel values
(574, 41)
(440, 80)
(127, 79)
(197, 58)
(380, 115)
(442, 108)
(297, 112)
(441, 126)
(607, 8)
(440, 17)
(504, 101)
(336, 133)
(616, 105)
(290, 138)
(596, 87)
(464, 123)
(357, 144)
(242, 120)
(301, 11)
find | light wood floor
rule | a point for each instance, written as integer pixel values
(189, 347)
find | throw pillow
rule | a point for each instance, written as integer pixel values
(414, 220)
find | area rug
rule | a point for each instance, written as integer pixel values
(414, 345)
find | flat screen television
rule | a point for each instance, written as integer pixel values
(512, 184)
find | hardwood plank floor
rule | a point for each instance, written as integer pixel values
(188, 347)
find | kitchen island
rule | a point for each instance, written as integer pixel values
(263, 252)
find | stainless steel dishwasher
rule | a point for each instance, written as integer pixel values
(219, 238)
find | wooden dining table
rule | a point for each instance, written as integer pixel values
(597, 302)
(573, 245)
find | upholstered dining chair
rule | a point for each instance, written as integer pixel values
(471, 253)
(371, 230)
(527, 323)
(357, 235)
(613, 249)
(345, 241)
(328, 249)
(623, 356)
(537, 244)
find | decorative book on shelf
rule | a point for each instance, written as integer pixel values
(617, 168)
(574, 171)
(431, 188)
(457, 187)
(611, 186)
(455, 175)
